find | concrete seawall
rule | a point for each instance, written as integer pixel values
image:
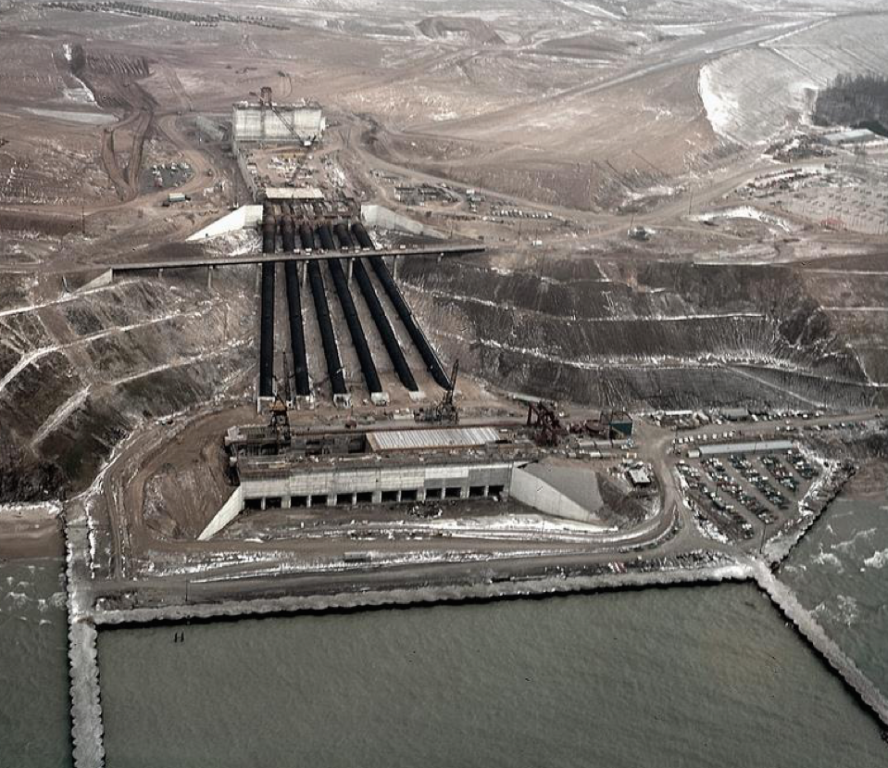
(87, 730)
(807, 625)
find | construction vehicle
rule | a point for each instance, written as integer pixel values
(446, 411)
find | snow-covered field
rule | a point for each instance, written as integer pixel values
(751, 96)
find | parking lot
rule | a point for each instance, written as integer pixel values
(738, 494)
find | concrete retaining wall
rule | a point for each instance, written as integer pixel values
(242, 218)
(229, 510)
(537, 493)
(386, 218)
(106, 278)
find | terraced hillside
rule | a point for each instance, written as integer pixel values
(649, 334)
(78, 373)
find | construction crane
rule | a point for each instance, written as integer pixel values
(542, 418)
(280, 422)
(446, 411)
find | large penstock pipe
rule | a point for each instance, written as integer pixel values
(297, 331)
(345, 241)
(425, 349)
(269, 228)
(288, 233)
(326, 238)
(307, 237)
(385, 327)
(362, 237)
(356, 331)
(328, 340)
(266, 333)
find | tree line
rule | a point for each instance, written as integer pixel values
(856, 100)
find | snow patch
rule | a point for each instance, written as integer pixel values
(720, 106)
(746, 212)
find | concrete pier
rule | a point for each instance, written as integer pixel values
(87, 730)
(788, 603)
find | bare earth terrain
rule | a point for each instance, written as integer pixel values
(660, 234)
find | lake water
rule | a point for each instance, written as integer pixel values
(690, 676)
(706, 676)
(840, 572)
(35, 726)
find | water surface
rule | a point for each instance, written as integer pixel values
(35, 724)
(707, 676)
(840, 572)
